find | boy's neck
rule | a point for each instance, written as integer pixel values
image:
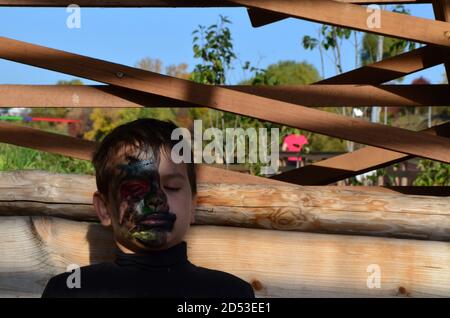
(126, 250)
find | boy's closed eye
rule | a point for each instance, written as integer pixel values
(172, 188)
(173, 182)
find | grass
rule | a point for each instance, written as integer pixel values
(19, 158)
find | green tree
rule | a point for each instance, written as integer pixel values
(432, 173)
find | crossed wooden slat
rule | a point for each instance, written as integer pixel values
(370, 158)
(132, 85)
(305, 95)
(432, 147)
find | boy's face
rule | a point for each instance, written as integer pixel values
(151, 204)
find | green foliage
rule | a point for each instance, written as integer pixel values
(214, 46)
(433, 173)
(391, 47)
(18, 158)
(105, 120)
(330, 38)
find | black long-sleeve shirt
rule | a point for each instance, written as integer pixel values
(166, 273)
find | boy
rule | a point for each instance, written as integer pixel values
(149, 201)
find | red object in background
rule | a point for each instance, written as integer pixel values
(56, 120)
(294, 143)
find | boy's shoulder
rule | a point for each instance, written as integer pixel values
(107, 280)
(65, 284)
(223, 284)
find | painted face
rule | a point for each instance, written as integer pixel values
(145, 218)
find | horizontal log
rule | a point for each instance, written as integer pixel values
(278, 207)
(307, 95)
(384, 136)
(277, 264)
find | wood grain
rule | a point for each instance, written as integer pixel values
(277, 264)
(268, 206)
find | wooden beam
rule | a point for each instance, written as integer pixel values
(276, 263)
(442, 12)
(260, 17)
(159, 3)
(353, 95)
(46, 141)
(397, 139)
(306, 95)
(355, 17)
(307, 209)
(108, 96)
(351, 164)
(393, 67)
(376, 73)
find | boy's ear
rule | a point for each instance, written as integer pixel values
(193, 206)
(101, 209)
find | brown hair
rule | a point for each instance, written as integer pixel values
(145, 132)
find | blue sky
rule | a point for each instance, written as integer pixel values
(127, 35)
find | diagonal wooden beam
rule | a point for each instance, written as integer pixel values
(376, 73)
(355, 17)
(46, 141)
(306, 95)
(397, 139)
(260, 17)
(393, 67)
(353, 95)
(442, 12)
(351, 164)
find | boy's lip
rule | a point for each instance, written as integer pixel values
(158, 219)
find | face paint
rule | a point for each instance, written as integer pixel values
(146, 217)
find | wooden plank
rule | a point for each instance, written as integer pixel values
(351, 164)
(159, 3)
(260, 17)
(442, 12)
(355, 17)
(276, 263)
(80, 96)
(393, 67)
(307, 95)
(375, 73)
(45, 141)
(397, 139)
(305, 209)
(353, 95)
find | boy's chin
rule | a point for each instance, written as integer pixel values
(148, 240)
